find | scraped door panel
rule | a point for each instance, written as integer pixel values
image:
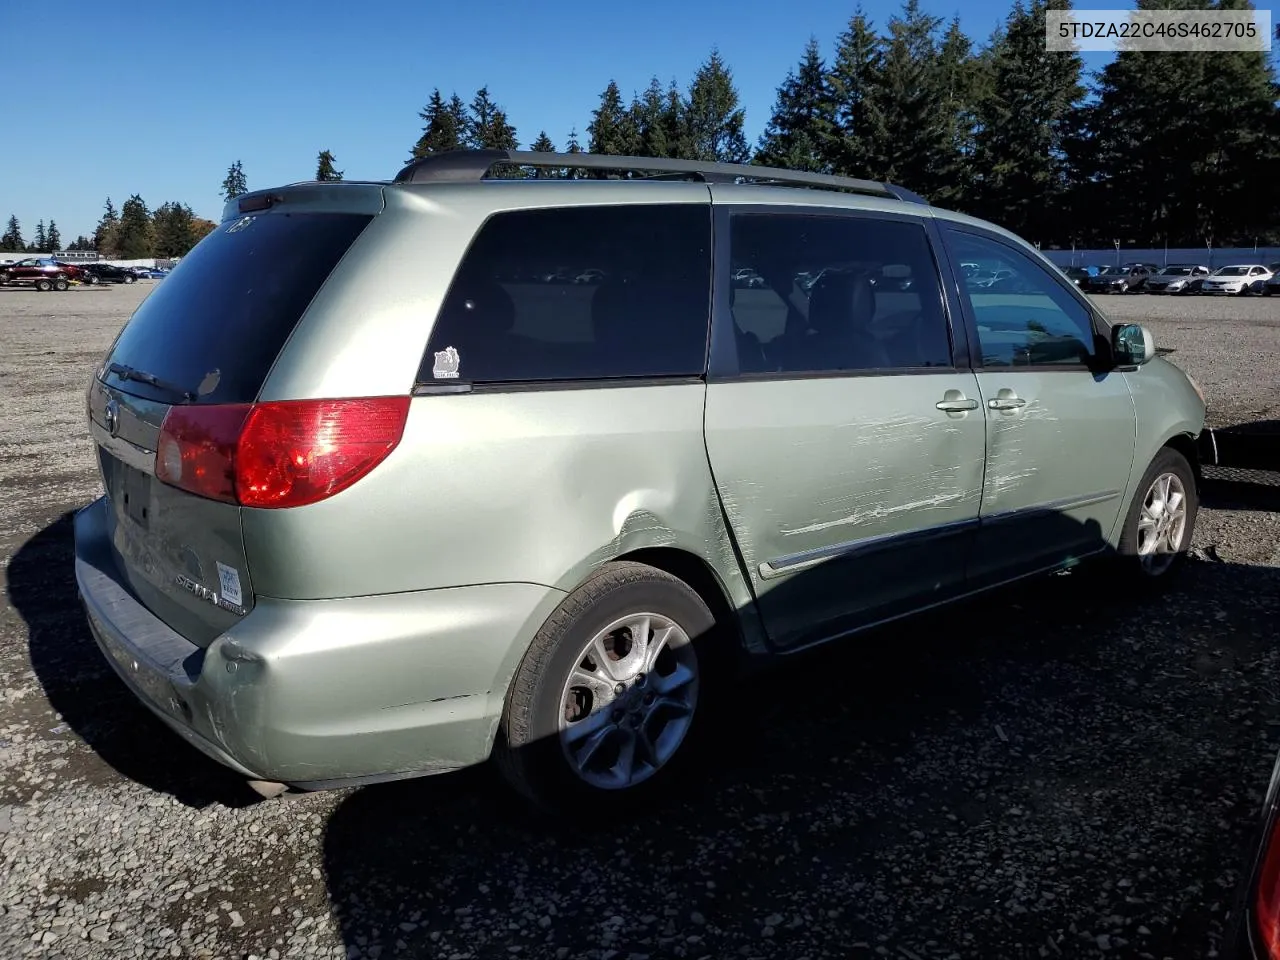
(852, 499)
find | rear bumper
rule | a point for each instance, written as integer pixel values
(322, 693)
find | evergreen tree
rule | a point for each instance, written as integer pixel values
(104, 235)
(855, 74)
(543, 144)
(803, 117)
(234, 184)
(612, 129)
(487, 125)
(325, 171)
(39, 243)
(1024, 123)
(651, 132)
(52, 237)
(909, 141)
(173, 227)
(714, 119)
(12, 240)
(959, 77)
(573, 145)
(443, 130)
(135, 235)
(675, 123)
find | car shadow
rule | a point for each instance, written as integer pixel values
(875, 792)
(85, 691)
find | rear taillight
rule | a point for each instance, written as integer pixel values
(281, 454)
(1266, 901)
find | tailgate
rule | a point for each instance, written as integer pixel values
(181, 555)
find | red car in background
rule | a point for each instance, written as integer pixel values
(44, 273)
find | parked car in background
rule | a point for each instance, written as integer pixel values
(1237, 279)
(1123, 279)
(1271, 286)
(108, 273)
(545, 525)
(1259, 286)
(1077, 275)
(43, 273)
(1177, 278)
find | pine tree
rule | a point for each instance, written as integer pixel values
(675, 123)
(234, 184)
(803, 117)
(573, 146)
(651, 133)
(52, 237)
(855, 74)
(443, 131)
(543, 144)
(1024, 121)
(958, 90)
(173, 226)
(105, 233)
(12, 241)
(39, 243)
(714, 119)
(909, 141)
(135, 235)
(612, 129)
(325, 171)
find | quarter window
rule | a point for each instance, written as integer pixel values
(578, 293)
(1024, 316)
(818, 294)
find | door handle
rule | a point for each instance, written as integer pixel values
(1006, 403)
(956, 406)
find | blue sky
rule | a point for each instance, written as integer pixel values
(161, 100)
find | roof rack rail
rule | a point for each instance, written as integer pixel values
(457, 166)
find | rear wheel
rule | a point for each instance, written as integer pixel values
(44, 284)
(1161, 520)
(61, 283)
(601, 711)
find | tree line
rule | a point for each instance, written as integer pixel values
(132, 233)
(1179, 148)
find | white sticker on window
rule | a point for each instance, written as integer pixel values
(446, 364)
(229, 584)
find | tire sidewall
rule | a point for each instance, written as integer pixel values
(544, 762)
(1166, 461)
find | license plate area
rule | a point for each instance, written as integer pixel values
(134, 495)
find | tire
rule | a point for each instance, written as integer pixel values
(44, 284)
(130, 279)
(530, 751)
(61, 283)
(90, 279)
(1161, 568)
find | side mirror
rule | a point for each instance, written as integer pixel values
(1132, 344)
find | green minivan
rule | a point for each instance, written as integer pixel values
(403, 476)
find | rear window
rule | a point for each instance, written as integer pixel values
(215, 325)
(580, 293)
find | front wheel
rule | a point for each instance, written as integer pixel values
(130, 279)
(602, 708)
(1161, 519)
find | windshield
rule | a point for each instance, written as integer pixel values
(1175, 271)
(1110, 271)
(1232, 271)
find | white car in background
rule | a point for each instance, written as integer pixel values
(1237, 279)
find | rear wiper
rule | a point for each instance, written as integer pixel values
(150, 379)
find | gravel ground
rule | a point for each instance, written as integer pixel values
(1053, 772)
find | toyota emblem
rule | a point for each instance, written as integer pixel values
(111, 414)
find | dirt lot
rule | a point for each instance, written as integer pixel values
(1053, 772)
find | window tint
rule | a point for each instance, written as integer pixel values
(216, 324)
(822, 293)
(580, 293)
(1024, 315)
